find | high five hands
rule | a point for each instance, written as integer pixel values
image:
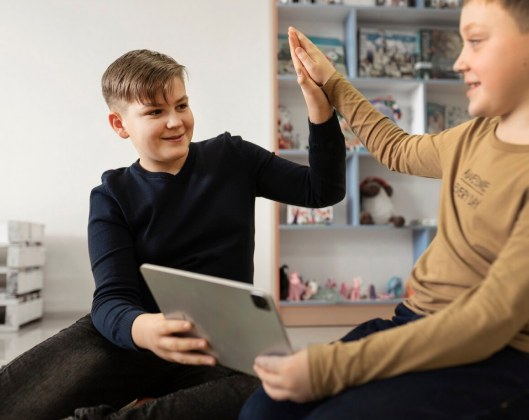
(306, 54)
(320, 110)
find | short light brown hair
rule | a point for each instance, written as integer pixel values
(518, 9)
(138, 76)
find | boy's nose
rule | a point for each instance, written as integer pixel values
(174, 121)
(460, 65)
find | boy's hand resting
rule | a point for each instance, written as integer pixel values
(320, 110)
(153, 332)
(285, 377)
(319, 68)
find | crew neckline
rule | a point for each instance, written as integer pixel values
(180, 175)
(507, 147)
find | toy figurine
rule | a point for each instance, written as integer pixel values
(372, 292)
(311, 288)
(377, 205)
(296, 287)
(285, 137)
(355, 290)
(331, 284)
(344, 290)
(394, 289)
(283, 282)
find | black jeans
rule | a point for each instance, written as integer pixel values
(79, 368)
(497, 388)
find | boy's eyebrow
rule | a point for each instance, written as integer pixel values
(154, 104)
(471, 25)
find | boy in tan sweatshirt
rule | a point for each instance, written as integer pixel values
(466, 353)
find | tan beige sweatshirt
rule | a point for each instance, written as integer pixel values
(472, 283)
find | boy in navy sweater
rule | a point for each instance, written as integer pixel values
(183, 205)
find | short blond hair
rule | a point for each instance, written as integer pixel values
(518, 9)
(138, 76)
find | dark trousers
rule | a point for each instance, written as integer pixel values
(79, 373)
(496, 388)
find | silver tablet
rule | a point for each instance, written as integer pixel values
(239, 321)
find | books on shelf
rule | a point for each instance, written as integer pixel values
(441, 117)
(304, 216)
(442, 4)
(386, 53)
(437, 52)
(331, 47)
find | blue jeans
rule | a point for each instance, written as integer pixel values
(81, 374)
(496, 388)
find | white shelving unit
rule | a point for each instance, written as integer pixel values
(347, 249)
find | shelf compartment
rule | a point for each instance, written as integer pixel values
(318, 314)
(351, 227)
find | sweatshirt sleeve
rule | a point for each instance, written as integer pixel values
(390, 145)
(479, 323)
(320, 184)
(117, 298)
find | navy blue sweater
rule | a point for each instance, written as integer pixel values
(201, 219)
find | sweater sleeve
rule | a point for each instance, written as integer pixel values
(320, 184)
(117, 300)
(389, 144)
(480, 322)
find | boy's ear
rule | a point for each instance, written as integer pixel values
(117, 125)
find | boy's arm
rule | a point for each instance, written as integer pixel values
(482, 321)
(117, 310)
(390, 145)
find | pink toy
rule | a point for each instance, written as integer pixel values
(296, 287)
(355, 290)
(331, 284)
(344, 290)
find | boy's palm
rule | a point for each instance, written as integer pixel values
(318, 67)
(320, 110)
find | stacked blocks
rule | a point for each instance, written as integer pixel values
(22, 258)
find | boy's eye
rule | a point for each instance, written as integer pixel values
(182, 106)
(474, 42)
(155, 112)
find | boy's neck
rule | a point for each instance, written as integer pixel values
(514, 127)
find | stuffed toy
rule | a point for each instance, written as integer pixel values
(376, 203)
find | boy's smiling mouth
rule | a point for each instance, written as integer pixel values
(174, 138)
(472, 86)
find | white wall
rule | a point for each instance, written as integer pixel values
(55, 141)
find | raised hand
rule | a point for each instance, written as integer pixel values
(318, 67)
(153, 332)
(320, 110)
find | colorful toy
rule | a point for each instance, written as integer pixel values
(372, 292)
(355, 290)
(377, 205)
(394, 289)
(344, 290)
(296, 287)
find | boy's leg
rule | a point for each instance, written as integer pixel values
(78, 367)
(219, 399)
(497, 388)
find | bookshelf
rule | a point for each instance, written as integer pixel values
(347, 249)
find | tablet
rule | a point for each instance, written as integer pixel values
(238, 320)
